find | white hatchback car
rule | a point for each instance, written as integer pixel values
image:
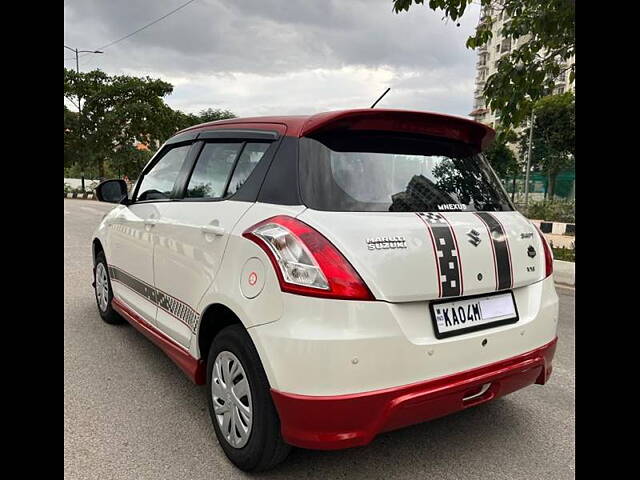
(329, 277)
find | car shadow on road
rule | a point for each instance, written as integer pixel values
(426, 447)
(481, 433)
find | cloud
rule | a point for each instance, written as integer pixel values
(283, 56)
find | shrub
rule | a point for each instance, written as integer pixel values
(564, 253)
(558, 211)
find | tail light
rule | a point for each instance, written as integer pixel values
(305, 261)
(548, 255)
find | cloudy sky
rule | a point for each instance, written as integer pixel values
(263, 57)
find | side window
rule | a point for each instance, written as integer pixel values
(250, 157)
(158, 182)
(212, 170)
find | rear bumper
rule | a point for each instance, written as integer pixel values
(335, 422)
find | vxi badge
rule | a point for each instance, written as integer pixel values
(386, 243)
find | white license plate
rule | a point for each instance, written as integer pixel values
(473, 313)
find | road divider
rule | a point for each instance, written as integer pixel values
(82, 196)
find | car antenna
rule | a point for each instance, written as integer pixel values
(380, 98)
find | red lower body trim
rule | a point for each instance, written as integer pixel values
(194, 368)
(334, 422)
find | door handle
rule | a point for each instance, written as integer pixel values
(212, 230)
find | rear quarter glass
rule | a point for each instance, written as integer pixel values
(391, 172)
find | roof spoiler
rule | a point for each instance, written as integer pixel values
(422, 123)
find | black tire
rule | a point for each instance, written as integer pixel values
(265, 447)
(108, 314)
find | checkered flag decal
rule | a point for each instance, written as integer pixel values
(433, 217)
(446, 248)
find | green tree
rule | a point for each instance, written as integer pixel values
(553, 146)
(127, 160)
(71, 138)
(545, 35)
(117, 111)
(211, 115)
(183, 120)
(502, 157)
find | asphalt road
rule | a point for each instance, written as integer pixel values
(129, 412)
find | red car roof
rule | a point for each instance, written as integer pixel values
(426, 123)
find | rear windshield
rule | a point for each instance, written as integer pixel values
(392, 173)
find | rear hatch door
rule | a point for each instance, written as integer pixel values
(412, 203)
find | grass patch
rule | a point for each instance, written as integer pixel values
(566, 254)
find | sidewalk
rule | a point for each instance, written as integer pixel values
(564, 273)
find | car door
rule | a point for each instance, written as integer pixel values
(194, 231)
(131, 235)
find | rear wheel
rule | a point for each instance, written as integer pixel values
(104, 293)
(243, 415)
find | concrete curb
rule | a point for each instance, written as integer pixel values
(564, 273)
(82, 196)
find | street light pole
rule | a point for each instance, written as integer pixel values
(76, 51)
(526, 181)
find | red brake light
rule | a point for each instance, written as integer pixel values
(305, 262)
(548, 255)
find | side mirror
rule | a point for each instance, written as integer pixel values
(112, 191)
